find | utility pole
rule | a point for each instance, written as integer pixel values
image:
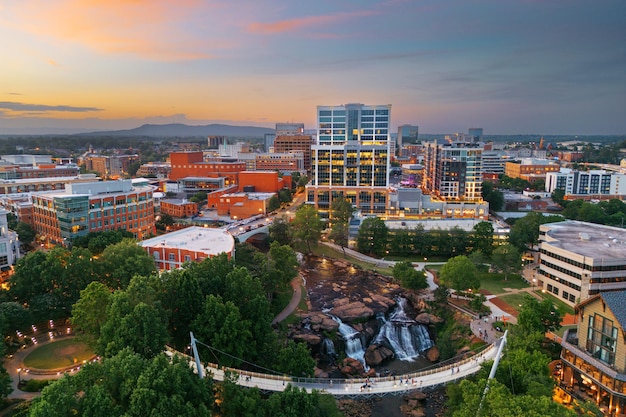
(194, 349)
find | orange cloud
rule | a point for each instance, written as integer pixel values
(299, 23)
(151, 28)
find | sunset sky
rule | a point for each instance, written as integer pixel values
(508, 66)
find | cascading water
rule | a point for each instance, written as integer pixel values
(355, 348)
(329, 349)
(405, 336)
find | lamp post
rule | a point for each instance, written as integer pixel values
(19, 376)
(534, 282)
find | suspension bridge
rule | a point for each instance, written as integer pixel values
(349, 387)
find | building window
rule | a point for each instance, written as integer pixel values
(171, 257)
(602, 338)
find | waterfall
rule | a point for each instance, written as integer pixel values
(328, 348)
(355, 348)
(405, 336)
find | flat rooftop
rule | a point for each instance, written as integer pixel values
(588, 239)
(198, 239)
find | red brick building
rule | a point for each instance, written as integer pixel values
(179, 208)
(192, 164)
(192, 244)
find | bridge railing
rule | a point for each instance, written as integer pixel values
(418, 377)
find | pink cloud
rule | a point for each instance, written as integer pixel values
(292, 25)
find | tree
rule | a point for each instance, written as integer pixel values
(483, 238)
(122, 261)
(558, 196)
(141, 326)
(493, 196)
(506, 259)
(274, 203)
(372, 236)
(164, 221)
(525, 231)
(459, 273)
(280, 231)
(295, 360)
(409, 276)
(26, 233)
(307, 226)
(284, 196)
(89, 312)
(221, 326)
(538, 316)
(341, 211)
(128, 385)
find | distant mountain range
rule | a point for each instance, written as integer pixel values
(186, 131)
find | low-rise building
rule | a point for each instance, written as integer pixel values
(177, 207)
(579, 259)
(59, 217)
(530, 169)
(594, 354)
(192, 244)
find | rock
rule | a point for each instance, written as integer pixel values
(426, 319)
(377, 354)
(352, 311)
(341, 301)
(352, 367)
(320, 374)
(433, 354)
(309, 339)
(416, 395)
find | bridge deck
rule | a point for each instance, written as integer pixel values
(359, 387)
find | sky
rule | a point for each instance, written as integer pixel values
(508, 66)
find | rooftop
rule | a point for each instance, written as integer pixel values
(198, 239)
(587, 239)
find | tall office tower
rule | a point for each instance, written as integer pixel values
(476, 133)
(351, 158)
(269, 141)
(216, 141)
(407, 134)
(453, 170)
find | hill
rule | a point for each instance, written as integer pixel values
(181, 131)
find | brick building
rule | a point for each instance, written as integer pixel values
(192, 244)
(179, 207)
(192, 164)
(59, 217)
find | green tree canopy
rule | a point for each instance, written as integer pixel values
(373, 236)
(409, 276)
(307, 226)
(459, 273)
(506, 259)
(122, 261)
(483, 238)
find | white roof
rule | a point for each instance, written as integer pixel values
(209, 241)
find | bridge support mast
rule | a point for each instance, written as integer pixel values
(494, 368)
(194, 349)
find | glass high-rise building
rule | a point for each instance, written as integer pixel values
(351, 157)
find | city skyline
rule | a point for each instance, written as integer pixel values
(517, 67)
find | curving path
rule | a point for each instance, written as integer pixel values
(360, 387)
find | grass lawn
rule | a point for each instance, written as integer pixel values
(495, 283)
(59, 354)
(563, 308)
(323, 250)
(514, 300)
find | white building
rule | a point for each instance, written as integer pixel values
(9, 243)
(579, 259)
(193, 244)
(594, 182)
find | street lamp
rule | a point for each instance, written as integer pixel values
(534, 282)
(19, 376)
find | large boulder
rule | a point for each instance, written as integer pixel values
(352, 311)
(433, 354)
(426, 319)
(352, 367)
(321, 322)
(308, 338)
(377, 354)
